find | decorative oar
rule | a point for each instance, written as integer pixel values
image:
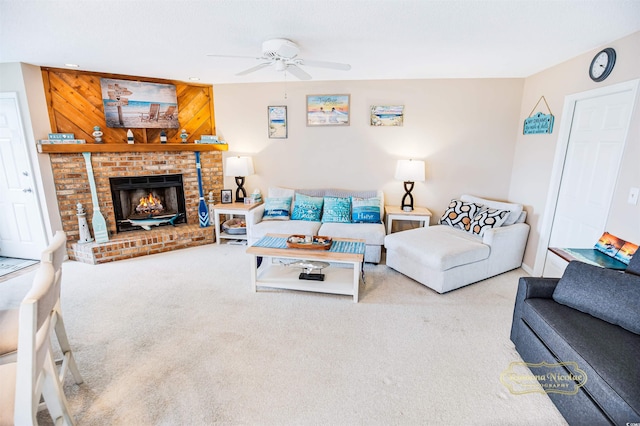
(203, 212)
(97, 221)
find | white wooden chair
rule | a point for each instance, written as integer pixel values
(54, 255)
(34, 374)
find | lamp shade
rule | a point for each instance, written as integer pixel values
(239, 166)
(410, 170)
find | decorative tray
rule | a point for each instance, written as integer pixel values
(314, 242)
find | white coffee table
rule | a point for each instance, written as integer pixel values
(338, 278)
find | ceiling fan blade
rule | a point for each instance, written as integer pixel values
(256, 68)
(235, 56)
(325, 64)
(298, 72)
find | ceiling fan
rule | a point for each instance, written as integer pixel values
(283, 55)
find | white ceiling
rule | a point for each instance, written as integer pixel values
(381, 39)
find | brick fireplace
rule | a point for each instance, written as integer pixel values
(72, 187)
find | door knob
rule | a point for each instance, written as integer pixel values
(27, 190)
(25, 173)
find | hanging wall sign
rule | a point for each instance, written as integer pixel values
(539, 123)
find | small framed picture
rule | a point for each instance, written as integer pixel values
(225, 196)
(277, 122)
(387, 115)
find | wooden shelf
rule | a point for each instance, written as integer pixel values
(125, 147)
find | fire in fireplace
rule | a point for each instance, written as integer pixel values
(150, 205)
(146, 197)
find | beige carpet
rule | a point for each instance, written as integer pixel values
(179, 339)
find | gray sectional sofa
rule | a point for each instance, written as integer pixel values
(591, 317)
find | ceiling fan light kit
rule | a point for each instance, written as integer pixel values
(279, 48)
(282, 54)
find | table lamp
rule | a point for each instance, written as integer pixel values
(239, 167)
(409, 171)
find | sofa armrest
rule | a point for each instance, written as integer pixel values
(534, 287)
(515, 234)
(529, 288)
(507, 244)
(255, 215)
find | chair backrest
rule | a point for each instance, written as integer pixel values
(153, 111)
(56, 252)
(170, 110)
(54, 255)
(34, 342)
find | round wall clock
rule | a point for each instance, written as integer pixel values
(602, 64)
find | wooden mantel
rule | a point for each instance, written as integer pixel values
(122, 147)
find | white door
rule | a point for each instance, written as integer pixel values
(590, 147)
(596, 144)
(22, 232)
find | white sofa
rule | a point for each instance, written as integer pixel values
(444, 257)
(372, 233)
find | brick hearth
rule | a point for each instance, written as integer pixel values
(72, 187)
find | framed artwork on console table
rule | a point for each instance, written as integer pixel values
(328, 110)
(277, 122)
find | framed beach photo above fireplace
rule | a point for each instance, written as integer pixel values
(139, 105)
(328, 110)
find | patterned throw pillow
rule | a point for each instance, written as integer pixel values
(487, 219)
(459, 214)
(276, 208)
(336, 210)
(365, 210)
(307, 208)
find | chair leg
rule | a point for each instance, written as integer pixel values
(53, 394)
(68, 360)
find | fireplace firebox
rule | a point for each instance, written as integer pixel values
(147, 197)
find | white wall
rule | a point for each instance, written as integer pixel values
(534, 154)
(26, 81)
(463, 129)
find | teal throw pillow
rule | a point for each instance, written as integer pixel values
(307, 208)
(336, 210)
(276, 208)
(365, 210)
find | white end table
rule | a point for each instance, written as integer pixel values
(232, 209)
(420, 214)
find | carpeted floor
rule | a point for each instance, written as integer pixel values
(9, 265)
(179, 339)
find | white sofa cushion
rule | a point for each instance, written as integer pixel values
(289, 227)
(371, 233)
(514, 209)
(439, 247)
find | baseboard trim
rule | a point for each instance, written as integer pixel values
(527, 269)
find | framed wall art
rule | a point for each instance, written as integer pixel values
(328, 110)
(387, 115)
(277, 116)
(139, 105)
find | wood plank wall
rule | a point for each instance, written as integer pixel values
(74, 99)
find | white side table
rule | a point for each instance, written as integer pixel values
(232, 209)
(421, 214)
